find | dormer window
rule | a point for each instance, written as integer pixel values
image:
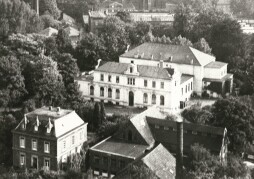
(49, 126)
(36, 125)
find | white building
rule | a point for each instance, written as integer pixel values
(129, 84)
(209, 76)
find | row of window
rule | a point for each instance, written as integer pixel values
(34, 146)
(34, 161)
(188, 87)
(72, 140)
(185, 131)
(102, 92)
(105, 160)
(145, 99)
(131, 81)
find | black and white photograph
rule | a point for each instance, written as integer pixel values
(126, 89)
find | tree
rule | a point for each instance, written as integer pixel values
(63, 42)
(88, 51)
(12, 86)
(49, 21)
(115, 37)
(242, 8)
(181, 41)
(124, 16)
(238, 118)
(226, 40)
(50, 7)
(17, 17)
(203, 46)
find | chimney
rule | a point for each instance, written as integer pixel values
(98, 63)
(58, 109)
(179, 155)
(50, 108)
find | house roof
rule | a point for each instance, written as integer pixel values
(121, 148)
(62, 122)
(97, 14)
(67, 19)
(72, 31)
(170, 53)
(144, 71)
(215, 65)
(161, 162)
(140, 123)
(49, 31)
(185, 78)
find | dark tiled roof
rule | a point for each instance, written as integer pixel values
(180, 54)
(185, 78)
(119, 147)
(161, 162)
(144, 71)
(215, 65)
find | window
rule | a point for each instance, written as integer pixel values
(117, 79)
(154, 84)
(145, 98)
(131, 81)
(162, 100)
(162, 85)
(122, 164)
(110, 93)
(145, 83)
(105, 161)
(117, 94)
(101, 91)
(153, 99)
(73, 139)
(175, 83)
(191, 85)
(47, 146)
(34, 144)
(96, 160)
(130, 135)
(186, 89)
(113, 163)
(157, 126)
(35, 128)
(131, 70)
(102, 77)
(109, 78)
(22, 159)
(91, 90)
(182, 91)
(22, 142)
(47, 163)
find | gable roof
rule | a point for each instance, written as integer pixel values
(144, 71)
(180, 54)
(49, 31)
(140, 123)
(161, 162)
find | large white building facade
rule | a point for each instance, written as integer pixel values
(157, 74)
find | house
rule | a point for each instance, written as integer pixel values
(112, 7)
(49, 31)
(148, 5)
(130, 84)
(46, 136)
(210, 77)
(95, 20)
(153, 17)
(150, 139)
(74, 35)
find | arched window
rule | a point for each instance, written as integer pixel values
(130, 135)
(117, 94)
(91, 90)
(162, 100)
(153, 99)
(145, 98)
(110, 93)
(101, 91)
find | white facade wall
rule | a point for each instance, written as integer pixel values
(215, 73)
(186, 90)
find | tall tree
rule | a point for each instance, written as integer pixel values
(63, 42)
(18, 17)
(203, 46)
(50, 7)
(12, 86)
(115, 37)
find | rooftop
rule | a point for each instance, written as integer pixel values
(97, 14)
(185, 78)
(120, 147)
(215, 65)
(49, 31)
(161, 162)
(170, 53)
(144, 71)
(72, 31)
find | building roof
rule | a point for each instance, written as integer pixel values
(170, 53)
(67, 19)
(62, 121)
(49, 31)
(215, 65)
(185, 78)
(121, 148)
(144, 71)
(72, 31)
(152, 17)
(97, 14)
(161, 162)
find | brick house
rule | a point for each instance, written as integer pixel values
(46, 136)
(143, 134)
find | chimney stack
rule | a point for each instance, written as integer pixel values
(58, 109)
(179, 155)
(50, 108)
